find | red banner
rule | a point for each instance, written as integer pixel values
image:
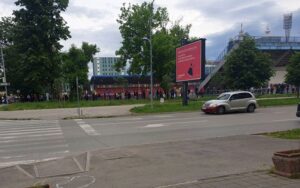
(188, 62)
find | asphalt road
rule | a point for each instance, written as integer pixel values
(28, 141)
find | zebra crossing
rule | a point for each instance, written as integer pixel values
(30, 141)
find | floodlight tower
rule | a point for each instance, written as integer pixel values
(287, 25)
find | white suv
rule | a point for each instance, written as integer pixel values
(231, 101)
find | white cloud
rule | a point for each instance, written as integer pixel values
(94, 21)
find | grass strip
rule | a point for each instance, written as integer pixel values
(172, 105)
(290, 134)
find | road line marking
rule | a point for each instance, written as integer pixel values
(178, 184)
(26, 136)
(16, 140)
(147, 121)
(59, 152)
(78, 164)
(88, 129)
(283, 120)
(164, 116)
(35, 148)
(29, 133)
(42, 142)
(15, 156)
(24, 171)
(29, 130)
(16, 162)
(155, 125)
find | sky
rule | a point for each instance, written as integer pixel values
(94, 21)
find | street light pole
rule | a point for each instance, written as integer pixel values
(4, 74)
(150, 41)
(151, 74)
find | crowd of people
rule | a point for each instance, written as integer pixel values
(159, 93)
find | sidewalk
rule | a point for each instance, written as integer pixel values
(238, 161)
(103, 111)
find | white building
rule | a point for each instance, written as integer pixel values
(104, 66)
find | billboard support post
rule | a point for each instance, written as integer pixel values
(185, 93)
(184, 41)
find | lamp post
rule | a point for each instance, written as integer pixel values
(151, 71)
(150, 44)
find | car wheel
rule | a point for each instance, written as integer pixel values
(221, 110)
(251, 108)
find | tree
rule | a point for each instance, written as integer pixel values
(293, 72)
(6, 30)
(75, 64)
(134, 26)
(38, 29)
(247, 67)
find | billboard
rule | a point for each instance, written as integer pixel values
(190, 61)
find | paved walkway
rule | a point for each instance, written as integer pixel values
(103, 111)
(261, 179)
(238, 161)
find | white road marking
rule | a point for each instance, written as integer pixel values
(64, 184)
(147, 121)
(178, 184)
(59, 152)
(29, 136)
(34, 148)
(87, 128)
(30, 133)
(12, 163)
(283, 120)
(164, 116)
(32, 139)
(155, 125)
(27, 129)
(280, 112)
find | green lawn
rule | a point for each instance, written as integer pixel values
(169, 107)
(172, 105)
(290, 134)
(278, 102)
(196, 105)
(62, 104)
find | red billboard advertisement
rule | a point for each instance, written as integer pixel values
(189, 61)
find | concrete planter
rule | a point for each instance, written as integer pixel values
(287, 163)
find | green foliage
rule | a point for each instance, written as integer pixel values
(75, 64)
(247, 67)
(293, 72)
(168, 107)
(33, 59)
(290, 134)
(135, 23)
(278, 102)
(166, 83)
(6, 30)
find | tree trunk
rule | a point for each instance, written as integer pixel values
(297, 88)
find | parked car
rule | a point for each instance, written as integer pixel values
(298, 110)
(231, 101)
